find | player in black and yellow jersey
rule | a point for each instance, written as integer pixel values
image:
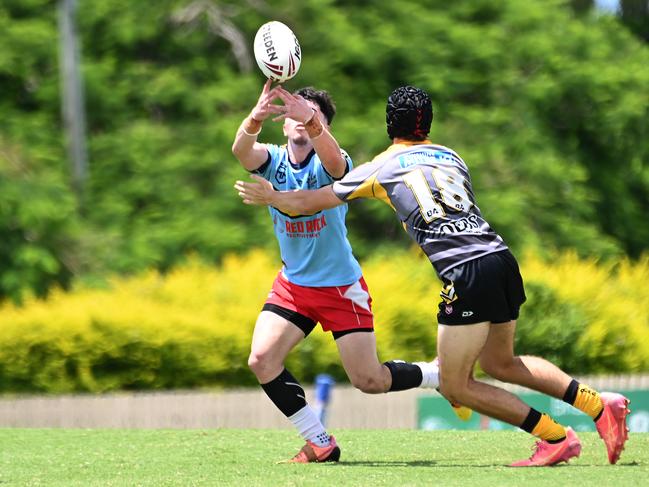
(429, 188)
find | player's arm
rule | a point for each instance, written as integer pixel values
(250, 153)
(301, 202)
(361, 182)
(315, 123)
(327, 148)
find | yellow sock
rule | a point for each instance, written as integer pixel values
(548, 429)
(588, 401)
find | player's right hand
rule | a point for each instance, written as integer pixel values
(261, 110)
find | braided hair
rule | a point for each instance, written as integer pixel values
(409, 113)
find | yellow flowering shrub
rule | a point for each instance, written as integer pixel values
(192, 327)
(612, 297)
(405, 293)
(188, 328)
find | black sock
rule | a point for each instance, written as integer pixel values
(286, 393)
(571, 392)
(404, 375)
(544, 427)
(533, 418)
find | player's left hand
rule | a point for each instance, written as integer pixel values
(294, 107)
(259, 193)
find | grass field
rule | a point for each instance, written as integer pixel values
(76, 457)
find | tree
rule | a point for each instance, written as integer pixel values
(635, 15)
(549, 110)
(38, 227)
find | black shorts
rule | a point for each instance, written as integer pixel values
(489, 288)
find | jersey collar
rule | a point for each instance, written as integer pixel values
(299, 165)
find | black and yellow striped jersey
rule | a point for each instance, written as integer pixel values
(429, 188)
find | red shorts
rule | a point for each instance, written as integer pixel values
(336, 308)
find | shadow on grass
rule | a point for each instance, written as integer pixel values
(388, 463)
(432, 463)
(606, 465)
(410, 463)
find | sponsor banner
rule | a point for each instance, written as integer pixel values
(435, 413)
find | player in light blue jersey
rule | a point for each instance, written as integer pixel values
(320, 280)
(302, 239)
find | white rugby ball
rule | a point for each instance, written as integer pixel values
(277, 51)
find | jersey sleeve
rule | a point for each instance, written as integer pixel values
(360, 182)
(348, 159)
(268, 168)
(349, 165)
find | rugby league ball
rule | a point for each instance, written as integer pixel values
(277, 51)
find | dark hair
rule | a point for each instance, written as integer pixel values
(409, 113)
(322, 98)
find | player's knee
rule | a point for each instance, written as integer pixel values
(260, 364)
(497, 369)
(452, 391)
(254, 362)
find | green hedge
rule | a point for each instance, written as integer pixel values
(192, 327)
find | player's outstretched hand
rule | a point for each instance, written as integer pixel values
(259, 193)
(262, 110)
(294, 106)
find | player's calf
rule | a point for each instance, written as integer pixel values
(369, 384)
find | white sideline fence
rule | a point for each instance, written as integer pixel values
(242, 408)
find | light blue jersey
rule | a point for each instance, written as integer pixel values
(314, 249)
